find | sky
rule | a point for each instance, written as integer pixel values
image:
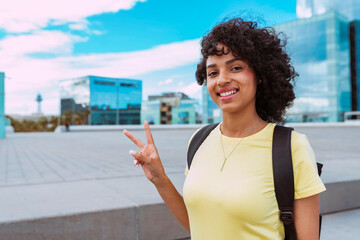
(156, 41)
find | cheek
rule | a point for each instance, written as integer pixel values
(210, 87)
(251, 85)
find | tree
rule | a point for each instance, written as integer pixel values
(27, 125)
(53, 123)
(43, 122)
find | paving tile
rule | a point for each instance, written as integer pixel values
(342, 225)
(57, 199)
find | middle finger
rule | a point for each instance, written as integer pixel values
(149, 138)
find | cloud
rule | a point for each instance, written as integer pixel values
(34, 59)
(29, 75)
(16, 17)
(166, 82)
(306, 9)
(309, 104)
(81, 26)
(303, 10)
(133, 63)
(54, 42)
(193, 90)
(311, 81)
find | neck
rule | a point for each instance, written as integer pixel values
(239, 124)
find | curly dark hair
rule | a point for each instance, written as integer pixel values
(264, 51)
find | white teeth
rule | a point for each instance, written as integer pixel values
(224, 94)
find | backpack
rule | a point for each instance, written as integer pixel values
(282, 172)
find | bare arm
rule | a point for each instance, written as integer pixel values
(306, 217)
(149, 159)
(174, 201)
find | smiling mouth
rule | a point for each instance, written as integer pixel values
(228, 93)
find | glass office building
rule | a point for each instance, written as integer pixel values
(319, 49)
(169, 108)
(324, 46)
(309, 8)
(2, 105)
(354, 35)
(211, 112)
(103, 100)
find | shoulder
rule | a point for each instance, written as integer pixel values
(299, 139)
(200, 134)
(192, 136)
(303, 155)
(204, 130)
(300, 144)
(306, 178)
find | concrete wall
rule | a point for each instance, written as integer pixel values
(145, 222)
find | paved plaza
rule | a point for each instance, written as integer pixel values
(59, 174)
(35, 158)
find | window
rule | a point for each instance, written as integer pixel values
(127, 84)
(104, 83)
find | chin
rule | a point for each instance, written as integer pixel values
(235, 107)
(229, 109)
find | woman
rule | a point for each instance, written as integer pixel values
(229, 190)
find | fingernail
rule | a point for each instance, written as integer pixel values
(135, 162)
(124, 130)
(132, 153)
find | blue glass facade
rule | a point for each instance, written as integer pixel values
(319, 49)
(150, 111)
(108, 100)
(348, 8)
(2, 105)
(355, 64)
(169, 108)
(211, 112)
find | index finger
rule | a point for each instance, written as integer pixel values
(149, 137)
(135, 140)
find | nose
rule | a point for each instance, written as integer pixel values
(223, 79)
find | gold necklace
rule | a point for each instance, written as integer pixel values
(225, 158)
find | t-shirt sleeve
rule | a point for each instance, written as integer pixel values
(306, 178)
(187, 168)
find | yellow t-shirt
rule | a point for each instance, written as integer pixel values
(239, 202)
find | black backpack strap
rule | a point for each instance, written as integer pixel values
(284, 178)
(319, 168)
(197, 140)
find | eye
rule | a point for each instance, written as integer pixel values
(237, 68)
(212, 73)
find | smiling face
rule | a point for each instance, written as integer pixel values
(231, 83)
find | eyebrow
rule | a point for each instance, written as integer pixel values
(227, 62)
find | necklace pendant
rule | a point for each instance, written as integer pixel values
(223, 165)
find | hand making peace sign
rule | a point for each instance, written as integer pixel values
(148, 157)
